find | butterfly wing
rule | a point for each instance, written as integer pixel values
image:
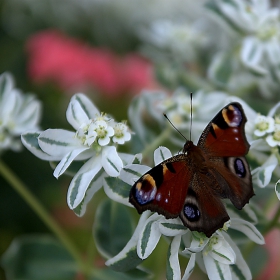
(225, 135)
(163, 189)
(224, 144)
(203, 211)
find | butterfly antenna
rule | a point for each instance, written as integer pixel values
(191, 116)
(175, 127)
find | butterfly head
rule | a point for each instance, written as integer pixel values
(187, 147)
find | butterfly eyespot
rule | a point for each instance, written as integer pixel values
(239, 168)
(145, 191)
(232, 116)
(191, 212)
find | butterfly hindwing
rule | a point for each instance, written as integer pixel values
(203, 211)
(163, 189)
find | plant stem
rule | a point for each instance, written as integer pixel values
(39, 209)
(157, 142)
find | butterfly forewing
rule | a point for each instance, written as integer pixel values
(225, 136)
(163, 189)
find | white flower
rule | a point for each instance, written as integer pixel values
(121, 133)
(181, 39)
(263, 125)
(90, 142)
(18, 113)
(274, 139)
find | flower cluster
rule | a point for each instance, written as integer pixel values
(18, 113)
(257, 38)
(92, 141)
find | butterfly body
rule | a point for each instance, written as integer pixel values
(192, 185)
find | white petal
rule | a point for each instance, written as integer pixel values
(161, 154)
(104, 141)
(58, 142)
(82, 180)
(111, 161)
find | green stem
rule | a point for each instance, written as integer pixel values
(157, 142)
(38, 208)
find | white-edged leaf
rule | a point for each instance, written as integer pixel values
(149, 237)
(251, 55)
(190, 267)
(30, 141)
(240, 269)
(130, 159)
(161, 154)
(94, 186)
(111, 161)
(172, 227)
(75, 114)
(80, 109)
(128, 257)
(263, 174)
(216, 270)
(173, 271)
(248, 229)
(66, 161)
(117, 190)
(131, 173)
(82, 180)
(277, 189)
(197, 244)
(58, 142)
(222, 252)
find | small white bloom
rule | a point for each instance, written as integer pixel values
(18, 113)
(103, 132)
(273, 140)
(263, 125)
(121, 133)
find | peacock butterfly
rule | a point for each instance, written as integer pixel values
(191, 184)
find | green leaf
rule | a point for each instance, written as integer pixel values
(112, 228)
(38, 258)
(106, 274)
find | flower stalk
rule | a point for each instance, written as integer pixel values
(40, 210)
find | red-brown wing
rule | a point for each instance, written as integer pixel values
(225, 136)
(203, 210)
(163, 189)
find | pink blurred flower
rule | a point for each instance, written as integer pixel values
(73, 64)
